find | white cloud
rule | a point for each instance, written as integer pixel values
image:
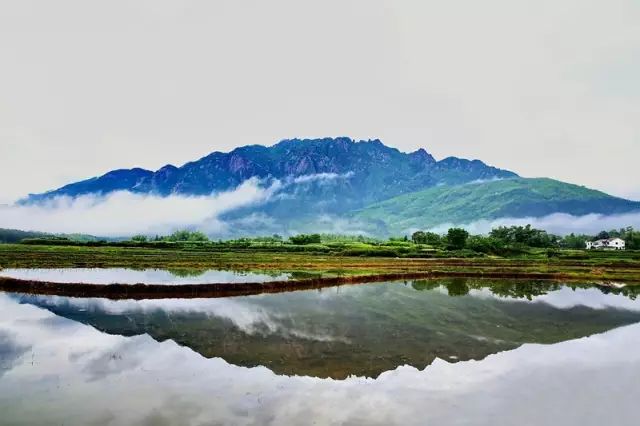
(568, 298)
(250, 318)
(557, 223)
(125, 213)
(321, 177)
(478, 181)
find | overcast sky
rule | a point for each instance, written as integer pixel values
(543, 88)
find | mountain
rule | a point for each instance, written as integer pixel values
(363, 172)
(342, 185)
(516, 198)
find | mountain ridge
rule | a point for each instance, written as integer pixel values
(391, 171)
(367, 184)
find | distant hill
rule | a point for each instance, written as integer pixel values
(17, 235)
(516, 198)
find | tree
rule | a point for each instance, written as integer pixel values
(457, 238)
(139, 238)
(421, 237)
(418, 237)
(432, 238)
(632, 239)
(303, 239)
(524, 235)
(185, 235)
(482, 244)
(574, 241)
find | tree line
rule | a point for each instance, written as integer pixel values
(453, 239)
(503, 240)
(526, 236)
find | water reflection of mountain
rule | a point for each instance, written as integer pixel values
(361, 330)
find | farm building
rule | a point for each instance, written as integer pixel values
(606, 244)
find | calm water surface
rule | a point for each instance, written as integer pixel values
(135, 276)
(425, 352)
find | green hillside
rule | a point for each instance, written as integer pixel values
(519, 197)
(16, 235)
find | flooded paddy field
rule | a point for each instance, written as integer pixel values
(107, 276)
(447, 351)
(600, 266)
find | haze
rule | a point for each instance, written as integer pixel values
(546, 88)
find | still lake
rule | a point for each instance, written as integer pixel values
(439, 352)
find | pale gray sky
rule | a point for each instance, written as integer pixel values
(544, 88)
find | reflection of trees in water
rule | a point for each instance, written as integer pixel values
(515, 289)
(457, 287)
(631, 292)
(302, 275)
(426, 284)
(186, 272)
(521, 289)
(454, 286)
(194, 272)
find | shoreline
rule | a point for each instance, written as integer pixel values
(218, 290)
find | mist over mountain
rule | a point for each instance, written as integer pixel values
(342, 185)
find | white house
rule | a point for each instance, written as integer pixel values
(609, 243)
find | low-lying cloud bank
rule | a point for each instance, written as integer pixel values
(125, 213)
(557, 223)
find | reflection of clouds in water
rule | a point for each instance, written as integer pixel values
(132, 276)
(566, 298)
(10, 351)
(111, 362)
(248, 317)
(591, 297)
(585, 381)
